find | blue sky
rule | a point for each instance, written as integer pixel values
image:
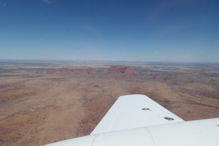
(132, 30)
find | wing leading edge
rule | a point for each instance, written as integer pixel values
(134, 111)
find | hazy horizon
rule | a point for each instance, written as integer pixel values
(99, 61)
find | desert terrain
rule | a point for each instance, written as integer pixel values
(45, 102)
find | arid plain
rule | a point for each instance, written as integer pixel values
(45, 102)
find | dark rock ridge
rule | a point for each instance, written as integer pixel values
(121, 70)
(90, 71)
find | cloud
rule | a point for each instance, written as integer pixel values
(48, 1)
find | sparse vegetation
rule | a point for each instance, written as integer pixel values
(41, 104)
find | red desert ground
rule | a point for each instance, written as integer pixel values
(42, 103)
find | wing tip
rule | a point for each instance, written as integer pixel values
(133, 95)
(128, 96)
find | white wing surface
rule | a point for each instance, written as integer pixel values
(133, 111)
(192, 133)
(136, 120)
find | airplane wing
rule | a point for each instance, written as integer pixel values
(133, 111)
(190, 133)
(136, 120)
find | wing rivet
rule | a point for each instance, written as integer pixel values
(169, 118)
(146, 109)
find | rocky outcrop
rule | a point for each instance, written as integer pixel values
(64, 70)
(51, 71)
(122, 70)
(100, 70)
(90, 70)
